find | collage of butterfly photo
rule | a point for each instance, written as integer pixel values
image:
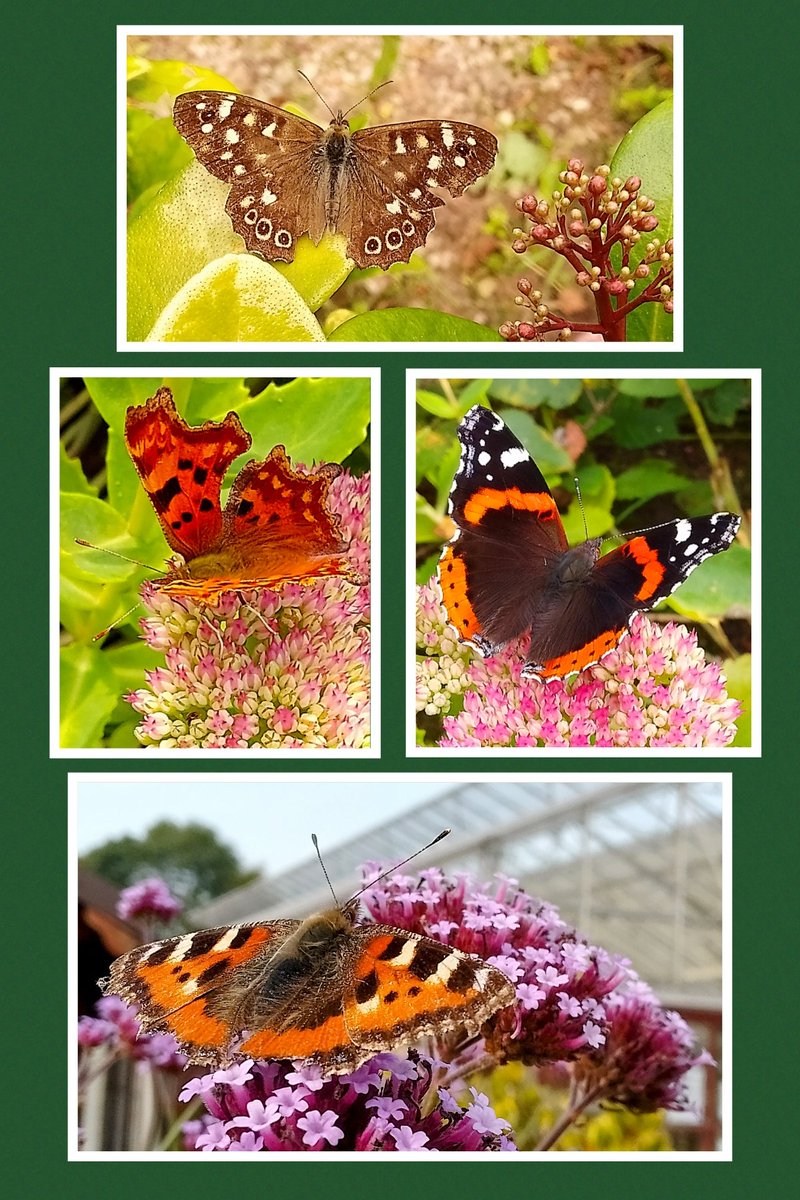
(383, 642)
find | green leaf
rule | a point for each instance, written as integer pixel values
(411, 325)
(185, 229)
(88, 697)
(532, 393)
(720, 586)
(723, 403)
(637, 425)
(597, 485)
(71, 476)
(428, 522)
(599, 521)
(738, 673)
(647, 151)
(438, 406)
(427, 568)
(649, 478)
(550, 458)
(317, 420)
(433, 441)
(236, 298)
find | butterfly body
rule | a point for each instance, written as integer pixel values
(290, 177)
(509, 569)
(324, 989)
(276, 525)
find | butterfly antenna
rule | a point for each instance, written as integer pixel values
(385, 83)
(333, 114)
(136, 562)
(583, 511)
(316, 843)
(397, 866)
(97, 637)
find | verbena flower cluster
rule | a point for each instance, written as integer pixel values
(575, 1004)
(561, 980)
(647, 1057)
(149, 899)
(656, 689)
(384, 1105)
(268, 669)
(116, 1028)
(596, 223)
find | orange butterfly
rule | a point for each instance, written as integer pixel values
(276, 526)
(324, 989)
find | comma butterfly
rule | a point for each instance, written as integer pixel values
(276, 526)
(324, 989)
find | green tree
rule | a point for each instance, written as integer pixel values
(189, 858)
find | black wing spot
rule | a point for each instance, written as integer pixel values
(168, 492)
(366, 988)
(200, 476)
(244, 508)
(273, 517)
(214, 971)
(205, 504)
(185, 464)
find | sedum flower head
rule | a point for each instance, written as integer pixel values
(388, 1104)
(656, 689)
(267, 668)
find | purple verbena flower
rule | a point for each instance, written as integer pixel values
(150, 899)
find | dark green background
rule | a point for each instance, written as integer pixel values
(59, 128)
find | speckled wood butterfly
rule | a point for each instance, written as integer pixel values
(290, 176)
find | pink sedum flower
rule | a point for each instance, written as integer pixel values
(265, 669)
(655, 690)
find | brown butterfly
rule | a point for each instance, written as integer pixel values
(290, 176)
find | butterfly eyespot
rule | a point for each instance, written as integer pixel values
(251, 216)
(263, 229)
(283, 239)
(394, 238)
(461, 148)
(372, 245)
(409, 228)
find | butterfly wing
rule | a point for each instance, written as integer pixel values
(508, 536)
(198, 986)
(388, 207)
(279, 524)
(402, 986)
(576, 630)
(182, 468)
(267, 154)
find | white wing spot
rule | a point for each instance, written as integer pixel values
(490, 478)
(459, 161)
(268, 197)
(484, 458)
(434, 162)
(239, 169)
(200, 106)
(269, 130)
(231, 136)
(206, 128)
(249, 120)
(683, 530)
(415, 193)
(447, 136)
(395, 207)
(471, 141)
(432, 181)
(224, 109)
(691, 549)
(226, 155)
(422, 142)
(510, 458)
(399, 145)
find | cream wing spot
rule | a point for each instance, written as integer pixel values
(269, 130)
(206, 128)
(268, 197)
(231, 136)
(395, 207)
(447, 135)
(434, 162)
(249, 119)
(459, 161)
(224, 110)
(399, 145)
(226, 939)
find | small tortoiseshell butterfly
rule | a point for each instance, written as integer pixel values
(324, 989)
(509, 569)
(276, 526)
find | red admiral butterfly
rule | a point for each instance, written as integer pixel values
(509, 568)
